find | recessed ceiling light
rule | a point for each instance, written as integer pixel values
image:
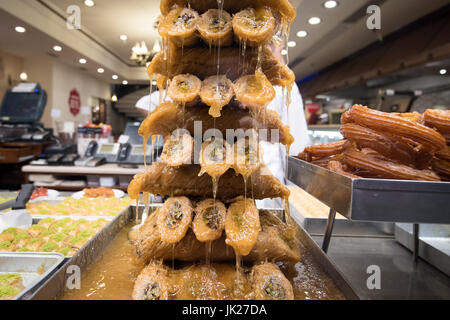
(57, 48)
(100, 70)
(314, 20)
(124, 37)
(115, 77)
(20, 29)
(443, 71)
(124, 82)
(331, 4)
(114, 98)
(23, 76)
(292, 44)
(89, 3)
(284, 52)
(302, 34)
(82, 61)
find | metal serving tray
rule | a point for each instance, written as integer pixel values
(55, 286)
(374, 199)
(434, 243)
(30, 267)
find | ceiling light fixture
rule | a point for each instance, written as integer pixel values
(124, 37)
(443, 71)
(284, 52)
(115, 77)
(314, 20)
(114, 98)
(82, 61)
(124, 82)
(100, 70)
(23, 76)
(292, 44)
(89, 3)
(57, 48)
(20, 29)
(140, 54)
(331, 4)
(302, 34)
(157, 47)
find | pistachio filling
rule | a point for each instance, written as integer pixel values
(152, 292)
(273, 289)
(211, 218)
(174, 215)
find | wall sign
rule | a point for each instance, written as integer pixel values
(74, 102)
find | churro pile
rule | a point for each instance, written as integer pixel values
(379, 145)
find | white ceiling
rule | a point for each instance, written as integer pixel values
(326, 43)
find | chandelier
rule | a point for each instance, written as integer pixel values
(141, 55)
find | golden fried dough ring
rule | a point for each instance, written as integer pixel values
(254, 27)
(180, 26)
(281, 7)
(385, 122)
(184, 88)
(215, 30)
(216, 92)
(438, 119)
(242, 226)
(174, 219)
(254, 89)
(209, 221)
(269, 283)
(326, 150)
(383, 144)
(385, 168)
(178, 150)
(152, 283)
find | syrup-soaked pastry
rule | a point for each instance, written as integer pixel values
(185, 181)
(438, 119)
(209, 221)
(216, 92)
(382, 167)
(184, 88)
(152, 283)
(389, 146)
(168, 117)
(215, 159)
(254, 89)
(276, 241)
(242, 226)
(180, 26)
(174, 219)
(248, 155)
(411, 116)
(202, 62)
(269, 283)
(254, 27)
(215, 28)
(280, 7)
(178, 150)
(431, 140)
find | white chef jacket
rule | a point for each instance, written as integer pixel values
(274, 154)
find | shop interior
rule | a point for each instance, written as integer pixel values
(77, 95)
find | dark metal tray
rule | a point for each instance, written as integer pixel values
(374, 199)
(55, 286)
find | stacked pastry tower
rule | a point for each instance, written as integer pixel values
(218, 69)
